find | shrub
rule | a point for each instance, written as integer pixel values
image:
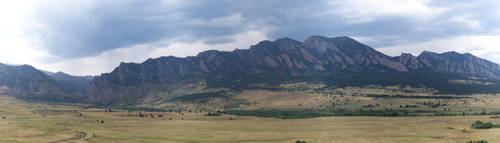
(212, 114)
(300, 141)
(482, 125)
(480, 141)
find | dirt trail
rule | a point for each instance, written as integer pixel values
(80, 137)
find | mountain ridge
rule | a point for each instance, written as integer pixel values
(329, 60)
(334, 62)
(27, 82)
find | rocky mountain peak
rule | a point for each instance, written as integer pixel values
(284, 59)
(27, 82)
(319, 43)
(406, 55)
(454, 62)
(410, 61)
(337, 61)
(427, 53)
(61, 74)
(315, 38)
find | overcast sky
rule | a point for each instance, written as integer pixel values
(90, 37)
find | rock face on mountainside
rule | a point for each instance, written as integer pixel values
(336, 61)
(453, 62)
(29, 83)
(76, 86)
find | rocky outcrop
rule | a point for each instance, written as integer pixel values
(335, 61)
(76, 86)
(318, 58)
(468, 64)
(28, 83)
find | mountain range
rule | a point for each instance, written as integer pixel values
(335, 62)
(29, 83)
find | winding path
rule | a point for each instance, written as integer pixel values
(80, 137)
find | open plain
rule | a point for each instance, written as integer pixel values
(32, 122)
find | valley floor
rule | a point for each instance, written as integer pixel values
(30, 122)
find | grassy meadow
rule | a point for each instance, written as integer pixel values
(306, 100)
(32, 122)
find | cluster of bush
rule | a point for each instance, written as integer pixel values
(276, 113)
(310, 113)
(212, 114)
(480, 141)
(408, 106)
(77, 113)
(482, 125)
(414, 96)
(433, 104)
(200, 97)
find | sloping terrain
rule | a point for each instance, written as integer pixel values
(29, 122)
(223, 76)
(29, 83)
(73, 85)
(334, 62)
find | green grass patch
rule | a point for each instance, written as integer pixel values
(484, 125)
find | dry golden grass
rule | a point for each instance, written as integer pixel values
(28, 122)
(282, 100)
(354, 98)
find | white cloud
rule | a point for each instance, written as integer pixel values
(17, 50)
(361, 11)
(234, 21)
(108, 60)
(467, 22)
(25, 28)
(483, 46)
(364, 39)
(17, 47)
(225, 21)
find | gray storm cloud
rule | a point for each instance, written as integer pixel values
(72, 30)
